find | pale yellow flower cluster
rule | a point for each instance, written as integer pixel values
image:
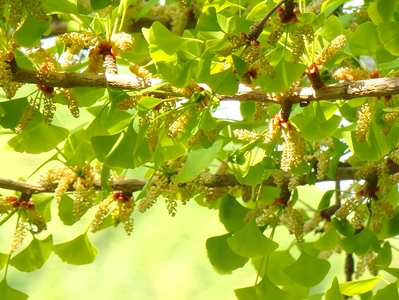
(333, 48)
(347, 207)
(19, 236)
(179, 125)
(364, 121)
(293, 149)
(246, 135)
(5, 204)
(368, 260)
(381, 209)
(28, 114)
(122, 41)
(349, 74)
(298, 41)
(9, 87)
(178, 17)
(293, 219)
(77, 41)
(71, 101)
(266, 216)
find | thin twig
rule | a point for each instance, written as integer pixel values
(257, 28)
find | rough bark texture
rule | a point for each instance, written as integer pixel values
(133, 185)
(341, 91)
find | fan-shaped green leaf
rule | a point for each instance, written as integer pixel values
(308, 270)
(329, 240)
(334, 293)
(231, 213)
(265, 289)
(388, 292)
(221, 256)
(249, 241)
(78, 251)
(197, 161)
(41, 138)
(8, 293)
(361, 243)
(389, 36)
(34, 256)
(358, 287)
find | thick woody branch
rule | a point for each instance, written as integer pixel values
(341, 91)
(133, 185)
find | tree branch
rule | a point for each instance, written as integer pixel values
(346, 90)
(133, 185)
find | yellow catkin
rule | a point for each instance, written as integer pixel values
(333, 48)
(349, 74)
(364, 121)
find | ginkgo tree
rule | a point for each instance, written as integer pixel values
(316, 82)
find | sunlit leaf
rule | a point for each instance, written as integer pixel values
(390, 227)
(258, 11)
(331, 29)
(43, 205)
(329, 6)
(208, 21)
(265, 289)
(334, 293)
(40, 139)
(392, 271)
(277, 261)
(78, 251)
(358, 287)
(99, 4)
(60, 6)
(376, 145)
(3, 260)
(389, 36)
(312, 129)
(361, 243)
(65, 210)
(249, 241)
(8, 293)
(382, 10)
(122, 155)
(365, 31)
(197, 161)
(286, 74)
(325, 200)
(31, 31)
(384, 257)
(231, 213)
(388, 292)
(328, 241)
(307, 270)
(343, 226)
(34, 256)
(102, 145)
(163, 43)
(221, 256)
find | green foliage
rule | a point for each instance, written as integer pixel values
(78, 251)
(130, 104)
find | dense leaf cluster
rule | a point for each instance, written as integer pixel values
(183, 61)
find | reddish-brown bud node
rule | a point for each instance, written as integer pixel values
(46, 89)
(375, 74)
(158, 106)
(115, 51)
(44, 67)
(280, 201)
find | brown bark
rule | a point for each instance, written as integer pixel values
(341, 91)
